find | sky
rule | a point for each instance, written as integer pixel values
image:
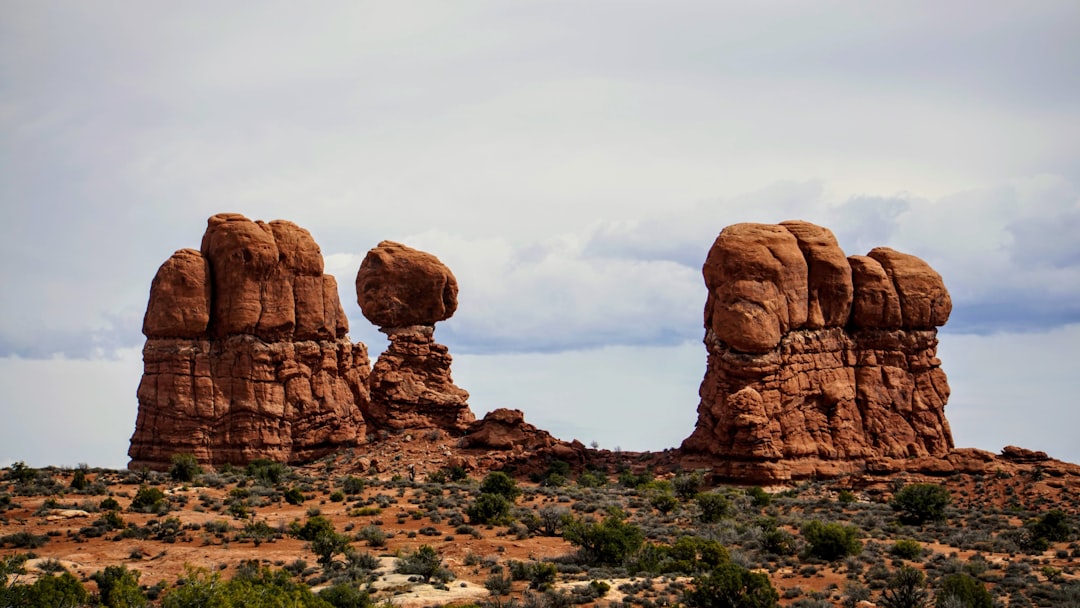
(570, 161)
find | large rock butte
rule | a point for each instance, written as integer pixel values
(246, 354)
(405, 292)
(818, 364)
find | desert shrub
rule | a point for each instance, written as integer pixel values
(1052, 526)
(343, 595)
(352, 485)
(611, 541)
(629, 479)
(775, 540)
(906, 549)
(906, 589)
(759, 497)
(590, 479)
(184, 467)
(664, 503)
(19, 472)
(501, 484)
(109, 504)
(963, 590)
(312, 528)
(266, 471)
(148, 499)
(919, 503)
(731, 586)
(712, 506)
(845, 497)
(488, 508)
(687, 486)
(497, 584)
(542, 575)
(687, 555)
(78, 479)
(294, 496)
(118, 587)
(252, 587)
(551, 520)
(374, 536)
(327, 544)
(830, 541)
(424, 562)
(337, 496)
(23, 540)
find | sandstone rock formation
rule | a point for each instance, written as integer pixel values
(246, 354)
(406, 292)
(817, 363)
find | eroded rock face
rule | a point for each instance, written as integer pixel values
(817, 363)
(246, 354)
(411, 386)
(405, 292)
(398, 286)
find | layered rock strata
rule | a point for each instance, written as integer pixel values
(405, 292)
(246, 354)
(817, 363)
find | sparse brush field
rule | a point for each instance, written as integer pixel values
(271, 535)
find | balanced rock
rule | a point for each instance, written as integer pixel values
(817, 363)
(405, 292)
(398, 286)
(246, 354)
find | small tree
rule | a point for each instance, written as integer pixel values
(906, 589)
(184, 467)
(488, 508)
(918, 503)
(961, 589)
(611, 541)
(148, 499)
(712, 506)
(424, 562)
(502, 484)
(831, 541)
(687, 486)
(118, 587)
(731, 586)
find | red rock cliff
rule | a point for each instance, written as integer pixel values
(817, 362)
(246, 354)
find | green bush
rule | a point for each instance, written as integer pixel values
(501, 484)
(352, 485)
(63, 591)
(78, 479)
(1052, 526)
(759, 497)
(687, 486)
(921, 502)
(830, 541)
(664, 503)
(312, 528)
(266, 471)
(148, 499)
(118, 587)
(488, 508)
(109, 504)
(250, 588)
(731, 586)
(611, 541)
(184, 467)
(343, 595)
(963, 590)
(294, 496)
(906, 549)
(712, 506)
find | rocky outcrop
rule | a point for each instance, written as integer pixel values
(817, 363)
(246, 354)
(406, 292)
(508, 441)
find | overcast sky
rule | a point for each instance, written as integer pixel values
(570, 161)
